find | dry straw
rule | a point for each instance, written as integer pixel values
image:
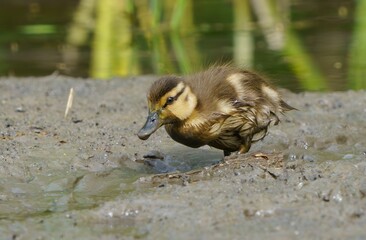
(69, 102)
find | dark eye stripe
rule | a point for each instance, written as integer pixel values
(175, 97)
(179, 93)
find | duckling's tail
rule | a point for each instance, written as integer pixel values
(286, 107)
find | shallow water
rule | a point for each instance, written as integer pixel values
(59, 192)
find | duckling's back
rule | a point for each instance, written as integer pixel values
(227, 83)
(246, 103)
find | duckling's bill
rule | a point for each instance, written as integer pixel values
(152, 124)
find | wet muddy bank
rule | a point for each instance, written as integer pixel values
(77, 177)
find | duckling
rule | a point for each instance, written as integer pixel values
(223, 107)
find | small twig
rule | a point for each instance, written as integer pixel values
(69, 102)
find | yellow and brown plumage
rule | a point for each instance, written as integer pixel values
(223, 107)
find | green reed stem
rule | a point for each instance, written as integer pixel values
(357, 60)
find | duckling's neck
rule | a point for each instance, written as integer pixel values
(195, 120)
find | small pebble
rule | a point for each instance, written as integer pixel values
(292, 157)
(348, 156)
(337, 197)
(308, 158)
(20, 109)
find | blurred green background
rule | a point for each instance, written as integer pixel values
(299, 44)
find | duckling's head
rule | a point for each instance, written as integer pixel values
(170, 100)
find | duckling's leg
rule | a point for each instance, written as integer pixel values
(245, 146)
(226, 153)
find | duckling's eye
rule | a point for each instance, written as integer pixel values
(170, 100)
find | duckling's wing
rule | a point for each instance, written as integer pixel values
(254, 121)
(243, 103)
(260, 135)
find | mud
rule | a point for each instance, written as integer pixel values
(84, 176)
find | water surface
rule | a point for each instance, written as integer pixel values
(301, 45)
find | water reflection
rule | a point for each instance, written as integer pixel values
(58, 192)
(302, 45)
